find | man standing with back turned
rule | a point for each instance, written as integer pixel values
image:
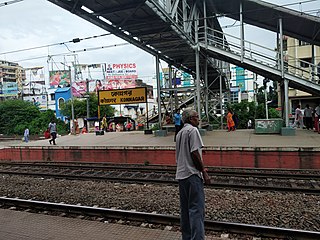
(191, 175)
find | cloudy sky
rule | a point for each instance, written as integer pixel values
(35, 23)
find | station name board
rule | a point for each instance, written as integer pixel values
(122, 96)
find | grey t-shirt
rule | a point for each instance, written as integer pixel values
(188, 140)
(52, 127)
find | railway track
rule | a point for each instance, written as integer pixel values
(306, 181)
(105, 213)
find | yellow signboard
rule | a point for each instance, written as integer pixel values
(122, 96)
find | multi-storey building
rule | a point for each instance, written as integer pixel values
(243, 85)
(12, 77)
(302, 59)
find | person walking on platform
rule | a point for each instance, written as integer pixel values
(177, 123)
(308, 117)
(298, 118)
(191, 176)
(53, 132)
(230, 122)
(26, 135)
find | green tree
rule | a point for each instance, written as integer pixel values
(80, 108)
(245, 111)
(272, 95)
(16, 115)
(249, 110)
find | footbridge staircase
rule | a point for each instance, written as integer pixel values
(187, 35)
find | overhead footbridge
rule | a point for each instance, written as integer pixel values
(187, 34)
(258, 58)
(162, 28)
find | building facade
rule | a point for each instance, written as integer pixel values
(243, 85)
(12, 76)
(302, 58)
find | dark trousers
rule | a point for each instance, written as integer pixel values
(309, 123)
(53, 138)
(178, 128)
(192, 204)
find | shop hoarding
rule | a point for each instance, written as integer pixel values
(59, 78)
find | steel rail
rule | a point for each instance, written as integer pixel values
(129, 177)
(261, 231)
(235, 172)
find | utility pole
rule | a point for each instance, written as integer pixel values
(72, 125)
(87, 97)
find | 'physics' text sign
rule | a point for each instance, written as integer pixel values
(122, 96)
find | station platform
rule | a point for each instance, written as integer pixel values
(240, 148)
(15, 225)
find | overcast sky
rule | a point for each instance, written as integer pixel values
(34, 23)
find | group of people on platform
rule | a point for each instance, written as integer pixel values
(307, 118)
(115, 127)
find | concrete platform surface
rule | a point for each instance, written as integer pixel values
(218, 138)
(15, 225)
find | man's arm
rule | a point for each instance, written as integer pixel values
(196, 158)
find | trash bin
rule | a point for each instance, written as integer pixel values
(100, 132)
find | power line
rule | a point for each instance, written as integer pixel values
(76, 51)
(10, 2)
(75, 40)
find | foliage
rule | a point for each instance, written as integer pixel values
(249, 110)
(273, 113)
(80, 108)
(17, 115)
(272, 95)
(245, 111)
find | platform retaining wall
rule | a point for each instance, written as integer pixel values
(289, 158)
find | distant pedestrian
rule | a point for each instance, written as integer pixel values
(249, 124)
(298, 118)
(26, 135)
(129, 126)
(53, 132)
(235, 119)
(308, 117)
(191, 175)
(177, 123)
(104, 123)
(316, 118)
(230, 122)
(154, 112)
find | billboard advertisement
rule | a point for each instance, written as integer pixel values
(121, 76)
(79, 88)
(8, 89)
(59, 78)
(40, 101)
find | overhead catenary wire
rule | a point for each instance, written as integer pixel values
(9, 2)
(75, 40)
(75, 51)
